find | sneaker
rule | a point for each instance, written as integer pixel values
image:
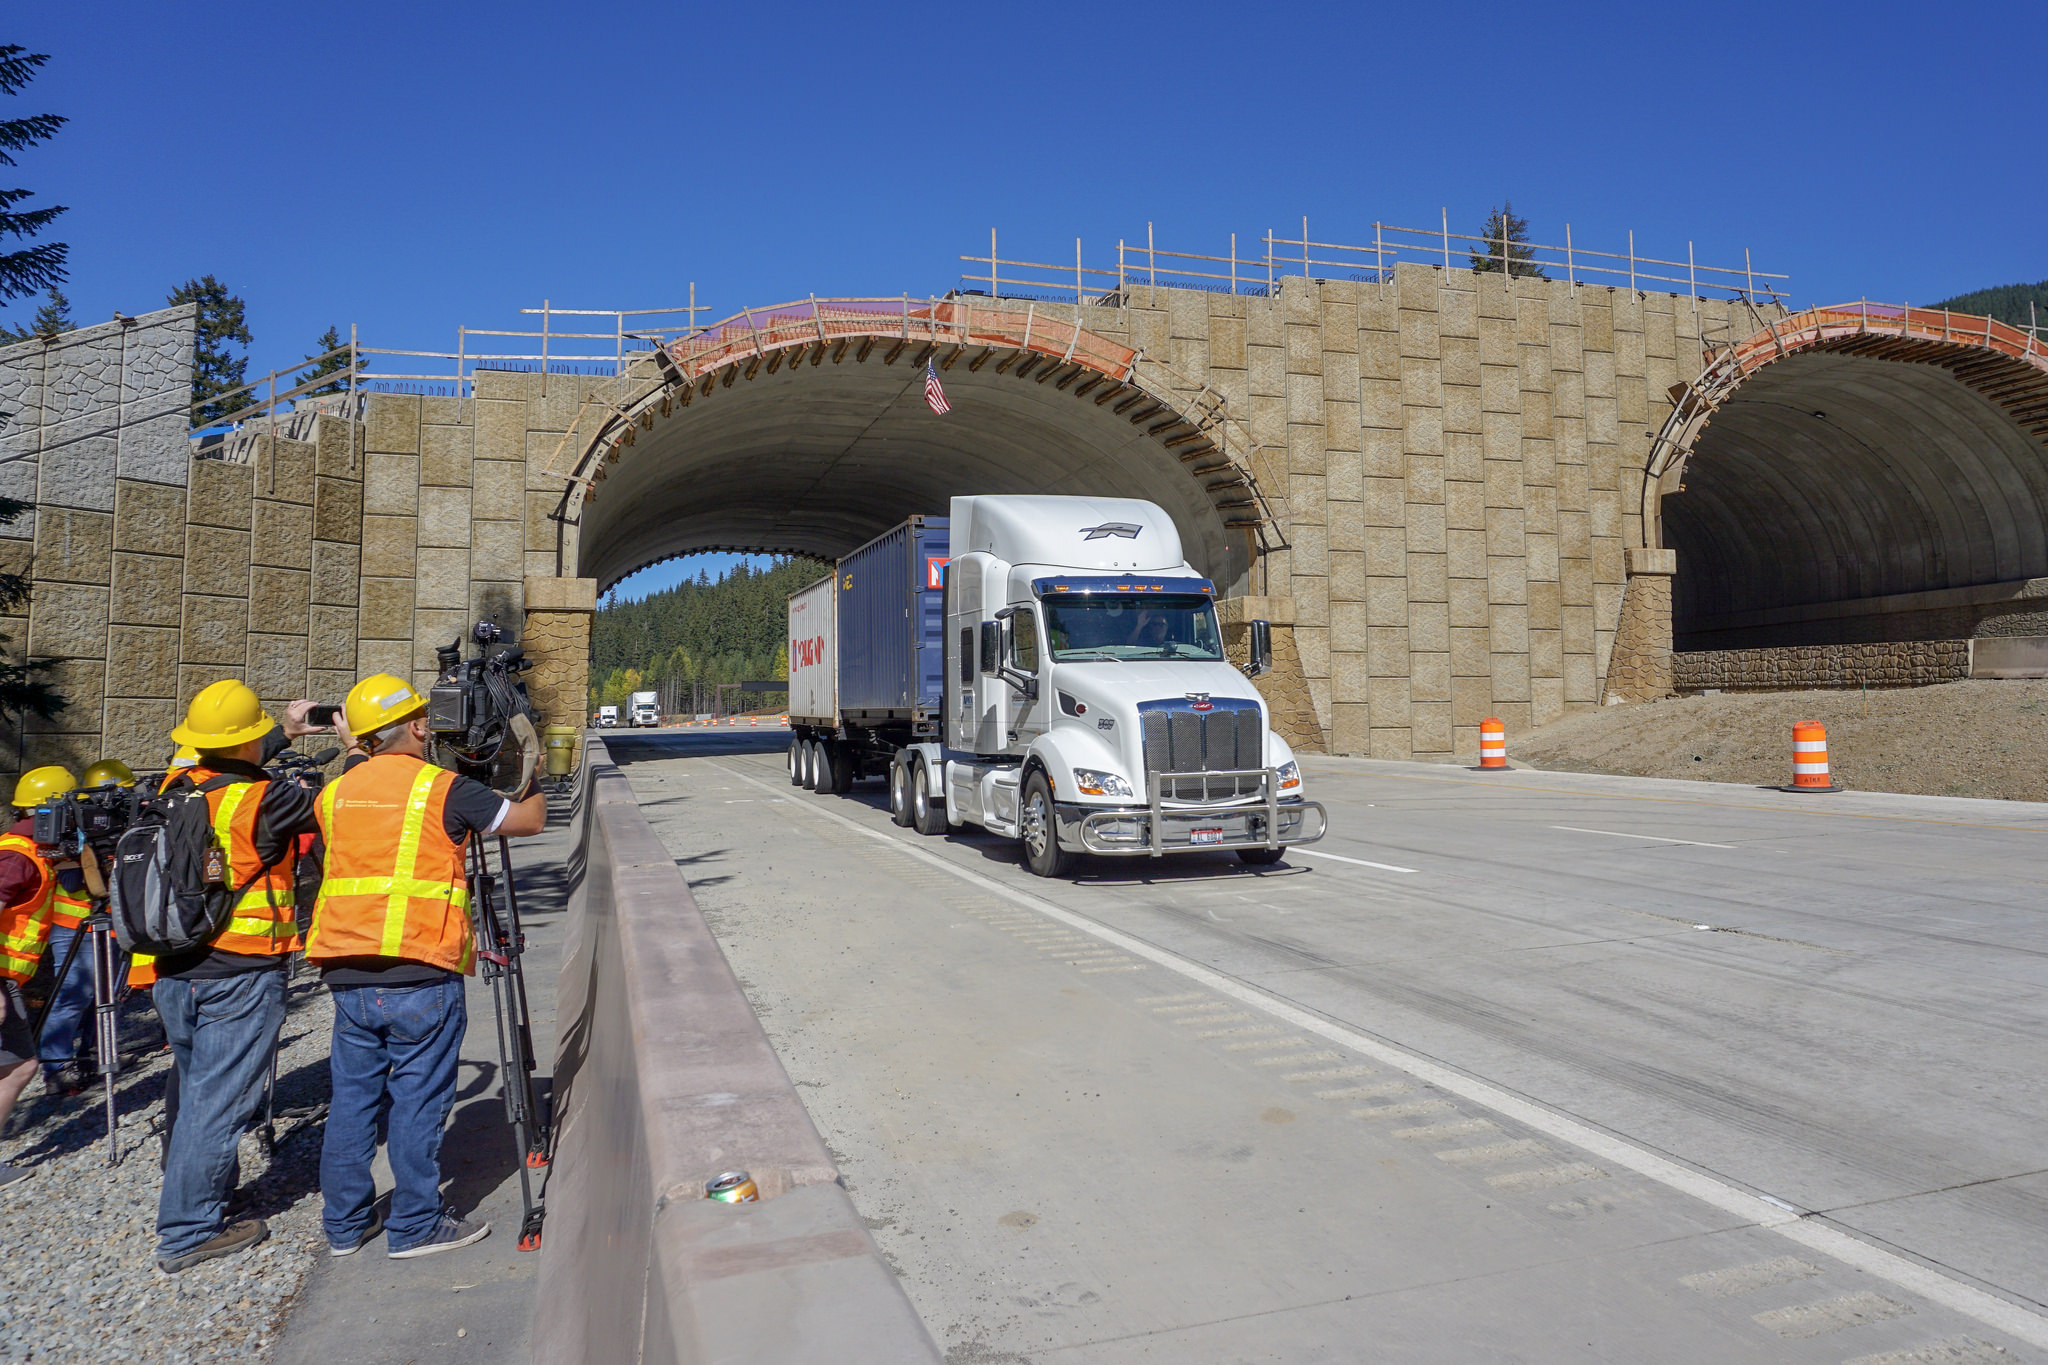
(69, 1079)
(335, 1248)
(14, 1175)
(229, 1240)
(452, 1232)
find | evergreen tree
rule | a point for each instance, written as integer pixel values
(21, 686)
(330, 340)
(216, 370)
(53, 318)
(32, 269)
(1507, 238)
(2022, 305)
(700, 633)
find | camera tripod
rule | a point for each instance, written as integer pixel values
(106, 955)
(500, 944)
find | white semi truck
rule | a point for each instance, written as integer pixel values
(1076, 697)
(644, 708)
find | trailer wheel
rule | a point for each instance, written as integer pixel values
(1261, 857)
(899, 793)
(796, 762)
(1040, 828)
(809, 762)
(827, 768)
(927, 815)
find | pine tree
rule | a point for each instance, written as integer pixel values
(52, 319)
(330, 340)
(32, 269)
(215, 369)
(1507, 235)
(21, 686)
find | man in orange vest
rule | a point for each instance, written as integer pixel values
(222, 1003)
(391, 935)
(28, 888)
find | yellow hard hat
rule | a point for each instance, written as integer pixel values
(185, 757)
(108, 772)
(379, 700)
(38, 785)
(224, 714)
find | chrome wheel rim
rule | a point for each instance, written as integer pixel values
(1034, 825)
(897, 797)
(920, 800)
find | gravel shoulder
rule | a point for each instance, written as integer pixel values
(78, 1241)
(1981, 738)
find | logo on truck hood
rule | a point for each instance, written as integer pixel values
(1200, 701)
(1126, 529)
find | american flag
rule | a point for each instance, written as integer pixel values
(934, 395)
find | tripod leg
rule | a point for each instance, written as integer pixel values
(107, 1028)
(266, 1135)
(540, 1136)
(500, 962)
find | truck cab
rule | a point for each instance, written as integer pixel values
(1089, 705)
(607, 717)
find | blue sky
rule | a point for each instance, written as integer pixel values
(411, 167)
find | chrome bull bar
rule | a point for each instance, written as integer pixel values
(1266, 822)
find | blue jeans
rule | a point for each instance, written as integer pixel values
(222, 1033)
(400, 1042)
(74, 997)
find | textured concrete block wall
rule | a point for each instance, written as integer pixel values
(1456, 461)
(1898, 663)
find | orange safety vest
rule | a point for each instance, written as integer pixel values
(395, 884)
(25, 925)
(261, 923)
(68, 909)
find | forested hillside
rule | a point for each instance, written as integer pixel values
(701, 633)
(2008, 303)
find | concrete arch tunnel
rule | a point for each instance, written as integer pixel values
(805, 429)
(1855, 474)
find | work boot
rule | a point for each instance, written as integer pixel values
(72, 1078)
(229, 1240)
(452, 1232)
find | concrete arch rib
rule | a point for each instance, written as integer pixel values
(805, 429)
(1850, 454)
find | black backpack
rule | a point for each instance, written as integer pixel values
(166, 890)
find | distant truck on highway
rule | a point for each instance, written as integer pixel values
(1051, 670)
(607, 717)
(644, 708)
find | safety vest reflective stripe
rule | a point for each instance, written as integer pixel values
(408, 857)
(25, 925)
(68, 909)
(397, 888)
(261, 921)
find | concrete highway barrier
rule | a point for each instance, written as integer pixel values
(664, 1080)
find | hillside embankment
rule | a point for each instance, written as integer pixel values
(1976, 738)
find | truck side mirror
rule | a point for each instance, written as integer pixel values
(1261, 660)
(991, 647)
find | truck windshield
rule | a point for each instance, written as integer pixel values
(1170, 626)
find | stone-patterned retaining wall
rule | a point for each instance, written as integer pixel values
(1910, 663)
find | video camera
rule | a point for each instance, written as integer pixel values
(480, 703)
(95, 816)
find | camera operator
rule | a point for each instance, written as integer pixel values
(391, 935)
(62, 1072)
(28, 886)
(222, 1003)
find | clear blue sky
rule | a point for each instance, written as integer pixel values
(411, 167)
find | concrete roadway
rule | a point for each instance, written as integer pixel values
(1534, 1067)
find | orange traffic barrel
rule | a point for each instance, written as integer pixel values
(1810, 758)
(1493, 745)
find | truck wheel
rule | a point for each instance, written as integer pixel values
(827, 769)
(899, 794)
(809, 762)
(1040, 828)
(1261, 857)
(927, 814)
(796, 762)
(839, 757)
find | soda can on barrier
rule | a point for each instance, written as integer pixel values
(734, 1187)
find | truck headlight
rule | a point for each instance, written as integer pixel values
(1092, 783)
(1290, 775)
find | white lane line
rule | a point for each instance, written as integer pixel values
(1787, 1222)
(1651, 838)
(1338, 857)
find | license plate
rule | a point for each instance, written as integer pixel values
(1205, 836)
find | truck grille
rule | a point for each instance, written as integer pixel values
(1180, 739)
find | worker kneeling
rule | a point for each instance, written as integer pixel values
(391, 936)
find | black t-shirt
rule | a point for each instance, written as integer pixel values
(285, 812)
(471, 809)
